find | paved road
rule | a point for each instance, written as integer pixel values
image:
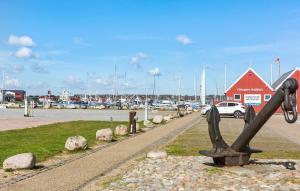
(14, 119)
(75, 174)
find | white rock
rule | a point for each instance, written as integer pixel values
(121, 130)
(101, 107)
(157, 119)
(104, 134)
(76, 143)
(20, 161)
(167, 118)
(189, 109)
(148, 124)
(157, 154)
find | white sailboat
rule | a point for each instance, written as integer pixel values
(202, 87)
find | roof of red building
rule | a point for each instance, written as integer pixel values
(283, 77)
(249, 69)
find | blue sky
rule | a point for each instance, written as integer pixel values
(75, 45)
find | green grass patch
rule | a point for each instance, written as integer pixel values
(106, 183)
(48, 140)
(214, 170)
(197, 138)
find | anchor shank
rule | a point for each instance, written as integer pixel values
(256, 124)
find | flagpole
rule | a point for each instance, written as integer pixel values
(195, 93)
(271, 73)
(225, 80)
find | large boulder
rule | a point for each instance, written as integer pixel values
(121, 130)
(104, 135)
(148, 124)
(157, 154)
(20, 161)
(76, 143)
(158, 119)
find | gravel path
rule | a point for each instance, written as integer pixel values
(193, 173)
(77, 173)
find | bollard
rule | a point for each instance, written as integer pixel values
(132, 122)
(26, 112)
(239, 152)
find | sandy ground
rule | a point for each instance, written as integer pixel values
(14, 118)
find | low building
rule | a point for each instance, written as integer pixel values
(12, 95)
(250, 89)
(291, 74)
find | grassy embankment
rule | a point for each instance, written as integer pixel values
(48, 140)
(190, 142)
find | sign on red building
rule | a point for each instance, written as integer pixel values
(250, 89)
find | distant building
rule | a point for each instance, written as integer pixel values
(65, 96)
(12, 95)
(250, 89)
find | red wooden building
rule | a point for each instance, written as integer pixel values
(291, 74)
(250, 89)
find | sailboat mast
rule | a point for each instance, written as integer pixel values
(195, 93)
(203, 87)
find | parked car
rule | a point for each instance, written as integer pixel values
(228, 108)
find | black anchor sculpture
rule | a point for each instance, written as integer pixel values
(238, 154)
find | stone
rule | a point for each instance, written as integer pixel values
(157, 154)
(104, 135)
(157, 119)
(76, 143)
(167, 118)
(20, 161)
(121, 130)
(101, 107)
(148, 124)
(189, 109)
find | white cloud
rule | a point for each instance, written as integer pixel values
(72, 80)
(79, 42)
(11, 82)
(136, 60)
(24, 52)
(155, 72)
(183, 39)
(20, 40)
(100, 81)
(248, 49)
